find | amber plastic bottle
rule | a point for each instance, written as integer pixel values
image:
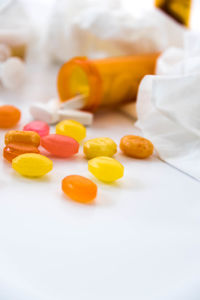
(104, 82)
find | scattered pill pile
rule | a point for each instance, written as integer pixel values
(22, 150)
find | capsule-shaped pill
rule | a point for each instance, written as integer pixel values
(42, 128)
(79, 188)
(25, 137)
(72, 129)
(103, 146)
(9, 116)
(15, 149)
(60, 145)
(32, 165)
(136, 146)
(20, 142)
(105, 168)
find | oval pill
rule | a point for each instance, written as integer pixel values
(60, 145)
(26, 137)
(20, 142)
(103, 146)
(72, 129)
(13, 150)
(42, 128)
(105, 168)
(9, 116)
(79, 188)
(32, 165)
(136, 146)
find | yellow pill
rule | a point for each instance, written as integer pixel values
(71, 128)
(106, 169)
(32, 165)
(99, 147)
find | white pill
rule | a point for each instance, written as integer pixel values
(42, 112)
(83, 117)
(77, 102)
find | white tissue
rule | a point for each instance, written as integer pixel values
(102, 28)
(14, 23)
(168, 107)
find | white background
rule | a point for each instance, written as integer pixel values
(139, 240)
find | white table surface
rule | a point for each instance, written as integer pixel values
(140, 240)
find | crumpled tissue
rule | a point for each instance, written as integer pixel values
(103, 28)
(168, 106)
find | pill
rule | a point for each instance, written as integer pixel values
(32, 165)
(136, 146)
(9, 116)
(72, 129)
(85, 118)
(60, 145)
(79, 188)
(46, 112)
(103, 146)
(76, 102)
(20, 142)
(105, 168)
(42, 128)
(17, 136)
(15, 149)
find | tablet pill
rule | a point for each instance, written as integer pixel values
(136, 146)
(13, 150)
(9, 116)
(42, 128)
(79, 188)
(85, 118)
(72, 129)
(103, 146)
(105, 168)
(32, 165)
(27, 137)
(20, 142)
(60, 145)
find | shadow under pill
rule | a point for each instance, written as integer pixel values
(45, 178)
(77, 203)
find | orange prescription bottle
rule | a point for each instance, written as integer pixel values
(104, 82)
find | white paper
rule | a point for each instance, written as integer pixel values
(168, 107)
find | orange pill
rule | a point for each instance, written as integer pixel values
(136, 146)
(27, 137)
(9, 116)
(79, 188)
(20, 142)
(13, 150)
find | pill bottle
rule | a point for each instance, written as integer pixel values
(104, 82)
(179, 10)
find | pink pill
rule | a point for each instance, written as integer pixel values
(60, 145)
(40, 127)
